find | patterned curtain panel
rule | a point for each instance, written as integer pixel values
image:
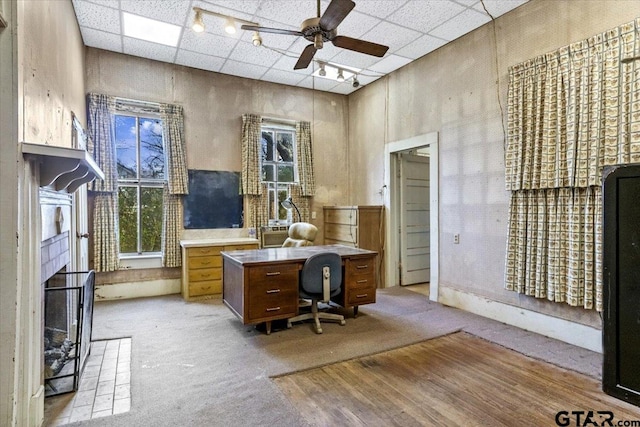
(100, 127)
(305, 158)
(570, 112)
(100, 145)
(302, 202)
(256, 213)
(105, 232)
(173, 134)
(177, 183)
(171, 228)
(251, 135)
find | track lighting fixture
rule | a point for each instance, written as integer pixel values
(229, 23)
(340, 77)
(322, 71)
(256, 39)
(198, 22)
(355, 83)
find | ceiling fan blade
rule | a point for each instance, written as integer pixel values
(271, 30)
(305, 57)
(335, 14)
(361, 46)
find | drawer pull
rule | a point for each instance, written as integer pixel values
(362, 281)
(205, 275)
(360, 267)
(273, 273)
(273, 291)
(362, 295)
(206, 262)
(273, 309)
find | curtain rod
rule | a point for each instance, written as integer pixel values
(281, 121)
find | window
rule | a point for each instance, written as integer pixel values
(278, 167)
(141, 175)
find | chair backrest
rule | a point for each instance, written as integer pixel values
(314, 272)
(301, 234)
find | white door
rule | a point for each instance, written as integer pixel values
(414, 219)
(80, 231)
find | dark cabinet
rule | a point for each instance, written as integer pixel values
(621, 281)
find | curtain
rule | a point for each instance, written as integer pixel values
(305, 159)
(177, 183)
(570, 113)
(100, 146)
(257, 211)
(251, 136)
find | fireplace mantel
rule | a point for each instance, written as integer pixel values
(63, 168)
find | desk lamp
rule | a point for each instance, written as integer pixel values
(288, 204)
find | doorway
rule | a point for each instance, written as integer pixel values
(396, 255)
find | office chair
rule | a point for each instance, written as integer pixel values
(301, 234)
(320, 279)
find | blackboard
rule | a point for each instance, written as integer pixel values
(213, 200)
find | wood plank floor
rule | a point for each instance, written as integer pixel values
(456, 380)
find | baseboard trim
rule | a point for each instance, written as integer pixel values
(150, 288)
(573, 333)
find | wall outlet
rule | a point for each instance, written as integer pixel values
(313, 215)
(456, 238)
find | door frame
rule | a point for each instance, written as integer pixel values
(392, 213)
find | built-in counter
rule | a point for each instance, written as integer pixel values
(202, 264)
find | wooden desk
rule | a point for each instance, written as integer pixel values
(262, 285)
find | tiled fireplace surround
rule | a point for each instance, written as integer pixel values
(54, 254)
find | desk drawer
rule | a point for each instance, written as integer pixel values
(206, 287)
(273, 291)
(205, 274)
(270, 275)
(204, 262)
(243, 247)
(360, 296)
(204, 251)
(360, 267)
(363, 281)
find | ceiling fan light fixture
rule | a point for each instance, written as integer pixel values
(256, 39)
(317, 41)
(198, 22)
(340, 77)
(230, 26)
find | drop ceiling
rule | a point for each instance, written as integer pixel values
(411, 29)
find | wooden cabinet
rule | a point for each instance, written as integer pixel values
(358, 226)
(202, 264)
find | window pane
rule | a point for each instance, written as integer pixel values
(151, 149)
(267, 173)
(151, 218)
(128, 216)
(285, 146)
(285, 173)
(267, 146)
(125, 129)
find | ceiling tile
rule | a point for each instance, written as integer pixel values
(248, 7)
(290, 12)
(355, 59)
(171, 11)
(146, 49)
(280, 76)
(199, 60)
(109, 3)
(356, 24)
(247, 52)
(215, 24)
(318, 83)
(366, 79)
(243, 70)
(344, 88)
(392, 35)
(421, 47)
(276, 41)
(426, 14)
(379, 8)
(498, 7)
(207, 43)
(390, 63)
(461, 24)
(101, 39)
(287, 63)
(98, 17)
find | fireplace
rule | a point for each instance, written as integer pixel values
(68, 314)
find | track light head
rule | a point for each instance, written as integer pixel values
(322, 71)
(355, 83)
(198, 23)
(340, 77)
(256, 39)
(230, 26)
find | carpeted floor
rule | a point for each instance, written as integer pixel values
(194, 363)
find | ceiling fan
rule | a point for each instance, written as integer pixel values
(323, 29)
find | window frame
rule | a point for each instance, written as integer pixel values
(139, 259)
(274, 188)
